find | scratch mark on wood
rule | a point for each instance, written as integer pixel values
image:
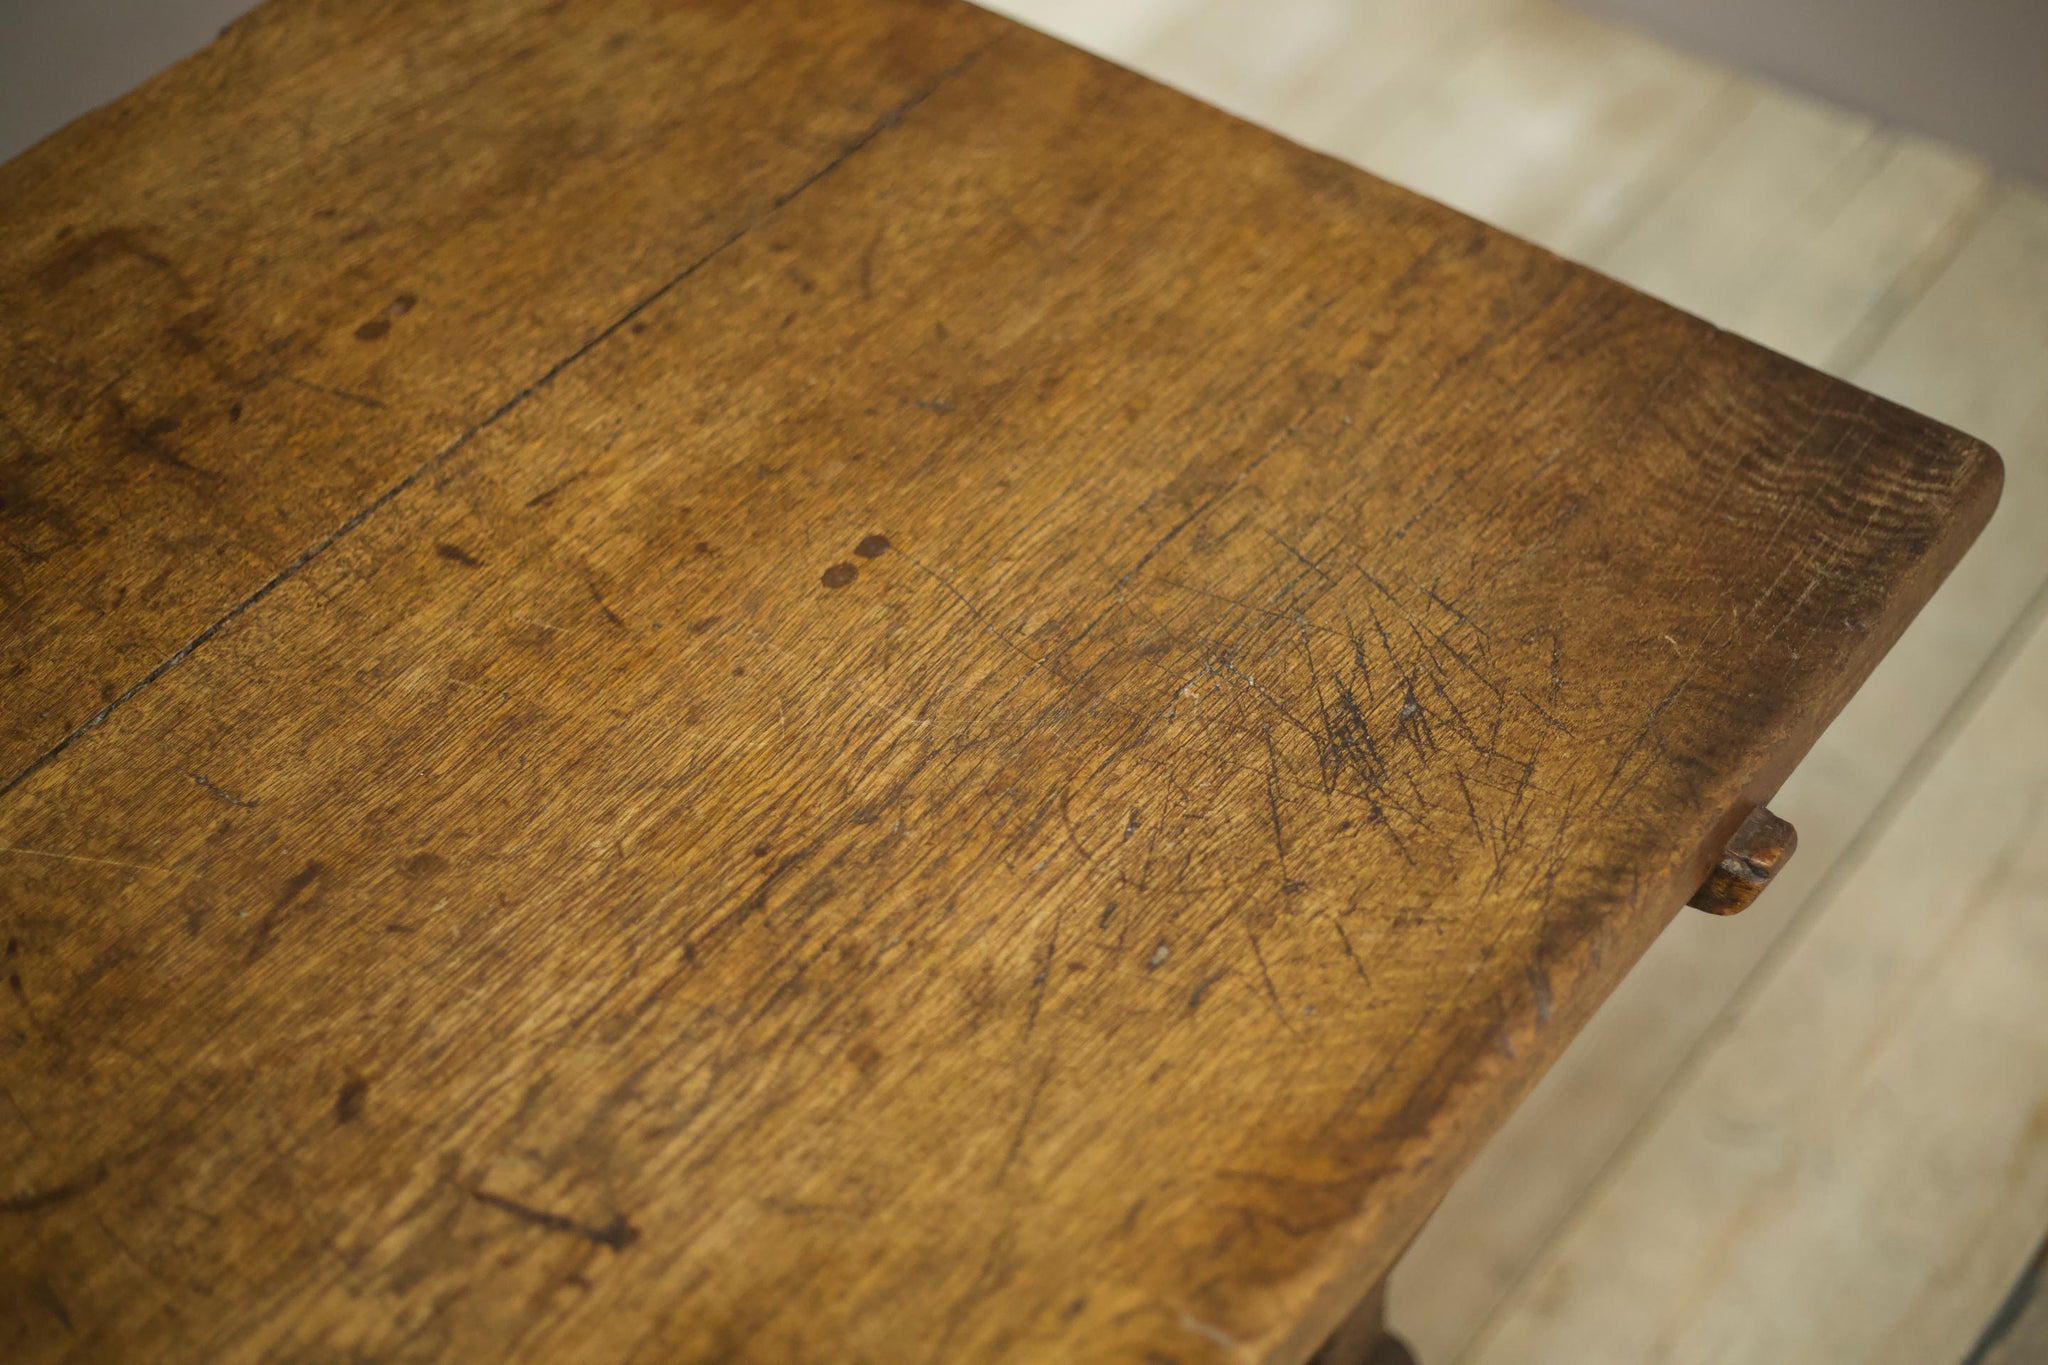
(45, 1294)
(55, 1194)
(1023, 1123)
(617, 1235)
(82, 858)
(1266, 975)
(224, 796)
(359, 399)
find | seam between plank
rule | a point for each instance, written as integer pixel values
(888, 120)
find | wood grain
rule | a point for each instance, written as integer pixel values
(1027, 749)
(375, 227)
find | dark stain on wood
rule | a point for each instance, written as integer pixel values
(351, 1100)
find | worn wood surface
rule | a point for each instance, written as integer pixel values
(856, 705)
(1887, 259)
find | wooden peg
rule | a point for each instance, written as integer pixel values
(1759, 848)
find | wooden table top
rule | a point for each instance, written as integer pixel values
(821, 681)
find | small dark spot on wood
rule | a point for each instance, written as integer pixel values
(348, 1105)
(162, 426)
(1131, 825)
(739, 671)
(234, 412)
(376, 329)
(1076, 1308)
(699, 627)
(1108, 914)
(267, 927)
(872, 547)
(704, 547)
(458, 555)
(839, 575)
(423, 864)
(1293, 888)
(638, 328)
(864, 1054)
(760, 850)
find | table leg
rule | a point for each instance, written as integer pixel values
(1363, 1339)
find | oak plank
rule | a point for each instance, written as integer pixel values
(1828, 279)
(1036, 751)
(1824, 276)
(370, 237)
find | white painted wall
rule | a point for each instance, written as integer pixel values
(1973, 72)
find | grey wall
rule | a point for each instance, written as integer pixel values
(59, 58)
(1973, 72)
